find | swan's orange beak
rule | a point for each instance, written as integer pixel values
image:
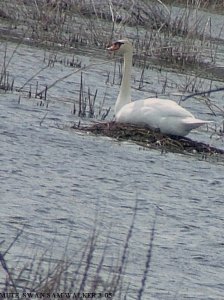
(113, 47)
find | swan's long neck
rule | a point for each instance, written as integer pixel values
(124, 96)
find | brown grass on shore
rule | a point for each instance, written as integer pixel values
(181, 40)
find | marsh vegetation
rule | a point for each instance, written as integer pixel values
(43, 277)
(166, 38)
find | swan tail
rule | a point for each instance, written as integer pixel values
(194, 123)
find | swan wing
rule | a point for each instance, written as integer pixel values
(151, 111)
(162, 114)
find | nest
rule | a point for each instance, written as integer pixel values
(149, 138)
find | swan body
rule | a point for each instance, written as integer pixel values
(163, 114)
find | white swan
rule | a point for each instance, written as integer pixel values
(163, 114)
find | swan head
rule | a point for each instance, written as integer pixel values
(121, 46)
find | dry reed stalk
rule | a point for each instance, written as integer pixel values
(6, 80)
(148, 258)
(203, 93)
(161, 29)
(59, 277)
(125, 251)
(215, 5)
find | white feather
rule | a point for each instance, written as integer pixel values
(163, 114)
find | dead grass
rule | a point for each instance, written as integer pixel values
(204, 4)
(84, 276)
(181, 39)
(58, 277)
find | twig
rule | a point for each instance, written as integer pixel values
(3, 261)
(149, 257)
(31, 78)
(125, 250)
(5, 267)
(74, 72)
(88, 261)
(203, 93)
(166, 8)
(13, 242)
(13, 52)
(44, 117)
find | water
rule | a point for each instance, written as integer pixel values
(57, 183)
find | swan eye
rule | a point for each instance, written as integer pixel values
(118, 44)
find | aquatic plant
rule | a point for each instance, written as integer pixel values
(6, 79)
(67, 277)
(177, 38)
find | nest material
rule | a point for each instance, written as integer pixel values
(149, 138)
